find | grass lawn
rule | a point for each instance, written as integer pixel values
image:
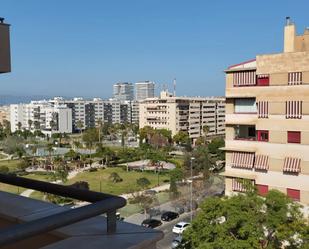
(2, 156)
(126, 186)
(11, 164)
(18, 190)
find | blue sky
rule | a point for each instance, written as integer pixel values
(81, 48)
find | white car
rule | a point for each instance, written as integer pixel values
(180, 227)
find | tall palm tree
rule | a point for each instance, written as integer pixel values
(99, 125)
(19, 125)
(80, 125)
(30, 123)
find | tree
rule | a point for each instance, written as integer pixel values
(181, 138)
(61, 173)
(19, 125)
(143, 182)
(176, 174)
(90, 136)
(23, 164)
(80, 126)
(202, 161)
(205, 130)
(114, 177)
(248, 221)
(30, 123)
(37, 125)
(214, 148)
(53, 125)
(20, 152)
(143, 200)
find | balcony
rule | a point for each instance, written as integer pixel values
(29, 223)
(245, 132)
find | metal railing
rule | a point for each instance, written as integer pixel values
(100, 203)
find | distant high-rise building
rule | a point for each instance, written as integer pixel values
(123, 91)
(144, 90)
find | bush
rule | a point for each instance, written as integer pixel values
(4, 169)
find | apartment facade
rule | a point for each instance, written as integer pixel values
(41, 115)
(183, 114)
(144, 90)
(267, 120)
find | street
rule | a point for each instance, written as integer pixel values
(167, 227)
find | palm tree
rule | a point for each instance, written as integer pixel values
(36, 125)
(53, 125)
(205, 131)
(99, 125)
(29, 123)
(19, 125)
(80, 125)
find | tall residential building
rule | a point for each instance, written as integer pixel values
(123, 91)
(267, 120)
(90, 112)
(144, 90)
(41, 115)
(189, 114)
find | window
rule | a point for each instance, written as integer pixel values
(262, 189)
(246, 105)
(294, 137)
(295, 78)
(262, 136)
(294, 194)
(263, 80)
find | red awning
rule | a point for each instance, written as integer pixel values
(242, 160)
(291, 164)
(261, 162)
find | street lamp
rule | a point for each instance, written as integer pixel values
(191, 191)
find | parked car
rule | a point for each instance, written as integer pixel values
(180, 227)
(176, 242)
(151, 223)
(168, 216)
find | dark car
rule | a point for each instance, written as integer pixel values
(168, 216)
(151, 223)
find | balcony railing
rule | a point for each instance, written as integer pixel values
(101, 203)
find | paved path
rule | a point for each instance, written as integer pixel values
(157, 189)
(71, 175)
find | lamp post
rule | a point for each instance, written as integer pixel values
(191, 191)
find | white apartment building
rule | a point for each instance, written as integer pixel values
(184, 114)
(44, 116)
(144, 90)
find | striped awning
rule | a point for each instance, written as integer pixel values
(291, 164)
(242, 160)
(261, 162)
(262, 107)
(293, 109)
(238, 186)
